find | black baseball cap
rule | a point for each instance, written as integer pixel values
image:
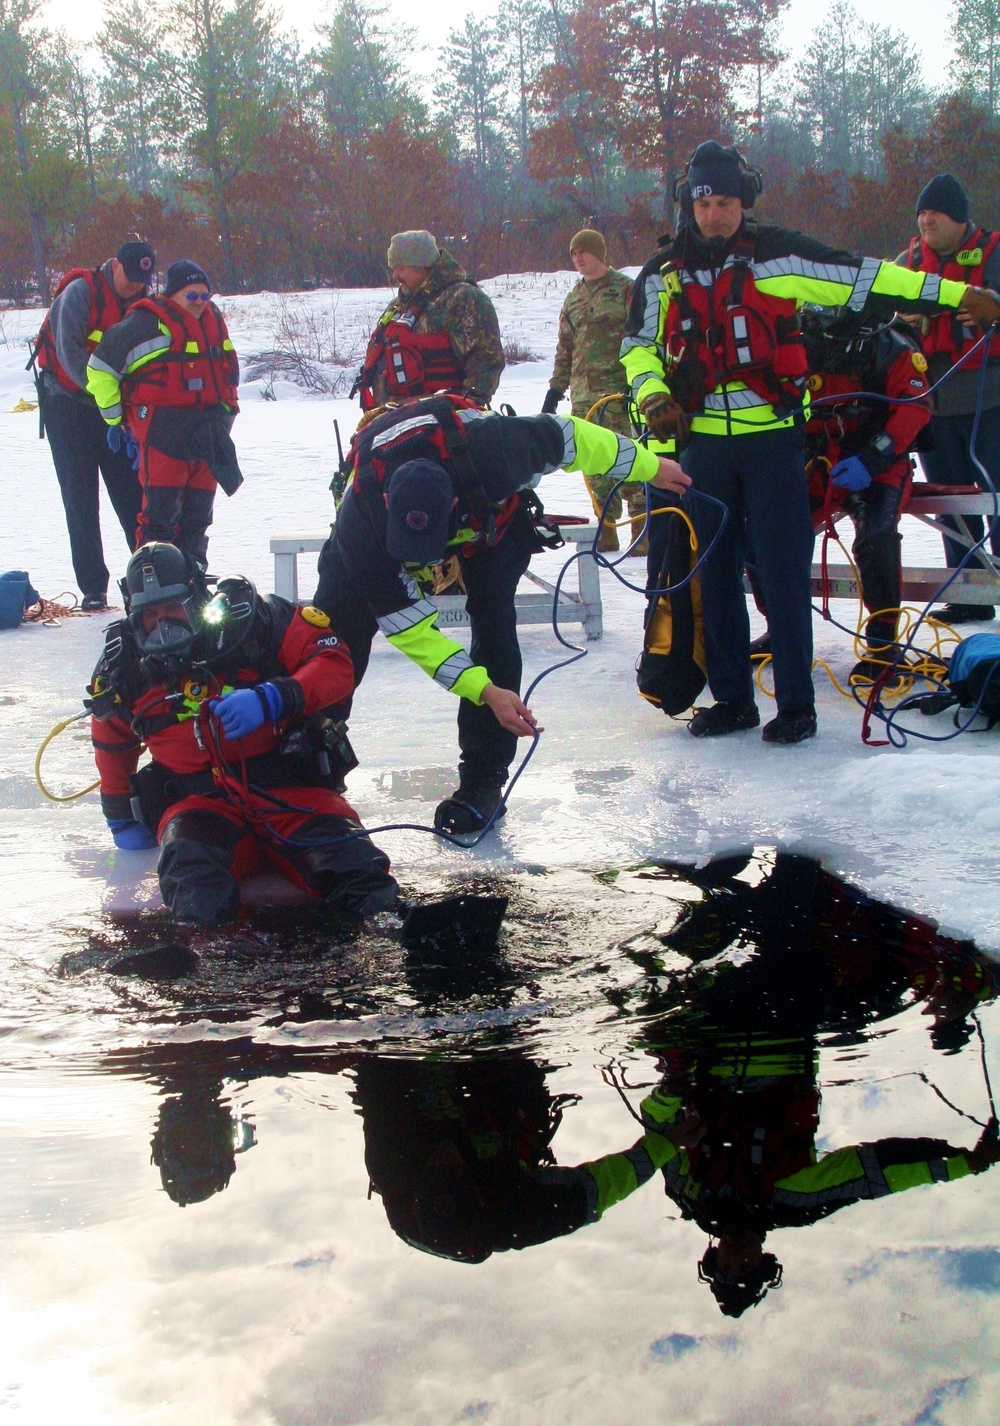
(139, 261)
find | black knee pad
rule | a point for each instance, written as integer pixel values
(195, 868)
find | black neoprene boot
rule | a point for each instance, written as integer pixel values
(791, 727)
(723, 718)
(468, 810)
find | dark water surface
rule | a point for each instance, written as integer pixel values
(687, 1145)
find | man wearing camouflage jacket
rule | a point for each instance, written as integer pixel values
(591, 325)
(439, 333)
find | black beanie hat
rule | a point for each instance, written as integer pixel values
(182, 273)
(138, 260)
(714, 170)
(944, 194)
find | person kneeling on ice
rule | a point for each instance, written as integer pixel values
(439, 479)
(229, 694)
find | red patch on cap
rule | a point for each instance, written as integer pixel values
(417, 519)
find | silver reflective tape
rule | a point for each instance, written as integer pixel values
(625, 461)
(867, 274)
(733, 400)
(448, 673)
(638, 1157)
(403, 619)
(144, 349)
(795, 266)
(401, 428)
(931, 290)
(569, 440)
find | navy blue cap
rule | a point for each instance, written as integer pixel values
(714, 170)
(139, 261)
(944, 194)
(183, 273)
(420, 501)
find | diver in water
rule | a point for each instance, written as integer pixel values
(230, 692)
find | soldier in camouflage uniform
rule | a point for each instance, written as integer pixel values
(591, 326)
(439, 333)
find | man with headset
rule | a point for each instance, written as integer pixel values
(714, 355)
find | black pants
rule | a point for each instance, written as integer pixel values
(491, 579)
(205, 855)
(761, 480)
(79, 442)
(876, 550)
(951, 463)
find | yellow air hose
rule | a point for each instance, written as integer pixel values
(53, 796)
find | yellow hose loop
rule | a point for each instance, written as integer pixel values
(664, 510)
(52, 796)
(600, 404)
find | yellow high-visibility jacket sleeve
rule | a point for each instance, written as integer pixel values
(414, 631)
(595, 450)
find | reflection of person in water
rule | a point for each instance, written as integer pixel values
(733, 1123)
(459, 1151)
(199, 1129)
(196, 1142)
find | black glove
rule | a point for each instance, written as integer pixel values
(552, 399)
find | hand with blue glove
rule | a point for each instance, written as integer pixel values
(116, 434)
(851, 474)
(132, 449)
(131, 836)
(244, 710)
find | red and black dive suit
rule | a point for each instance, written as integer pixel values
(223, 808)
(173, 377)
(887, 362)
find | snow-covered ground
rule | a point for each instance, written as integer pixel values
(613, 782)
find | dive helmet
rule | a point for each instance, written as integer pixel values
(159, 574)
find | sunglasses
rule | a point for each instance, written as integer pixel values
(197, 296)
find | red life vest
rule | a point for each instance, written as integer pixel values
(431, 429)
(729, 331)
(198, 370)
(947, 334)
(106, 308)
(411, 363)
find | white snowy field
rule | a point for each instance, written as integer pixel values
(613, 782)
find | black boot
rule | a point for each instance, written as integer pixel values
(791, 727)
(723, 718)
(880, 637)
(964, 613)
(468, 810)
(761, 646)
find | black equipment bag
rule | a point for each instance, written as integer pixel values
(670, 672)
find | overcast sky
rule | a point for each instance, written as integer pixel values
(925, 23)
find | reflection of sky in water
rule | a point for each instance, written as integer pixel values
(283, 1295)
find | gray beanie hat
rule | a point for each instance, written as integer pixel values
(416, 248)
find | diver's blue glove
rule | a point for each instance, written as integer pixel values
(244, 710)
(131, 449)
(851, 474)
(116, 434)
(131, 836)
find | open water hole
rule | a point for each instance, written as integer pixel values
(686, 1145)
